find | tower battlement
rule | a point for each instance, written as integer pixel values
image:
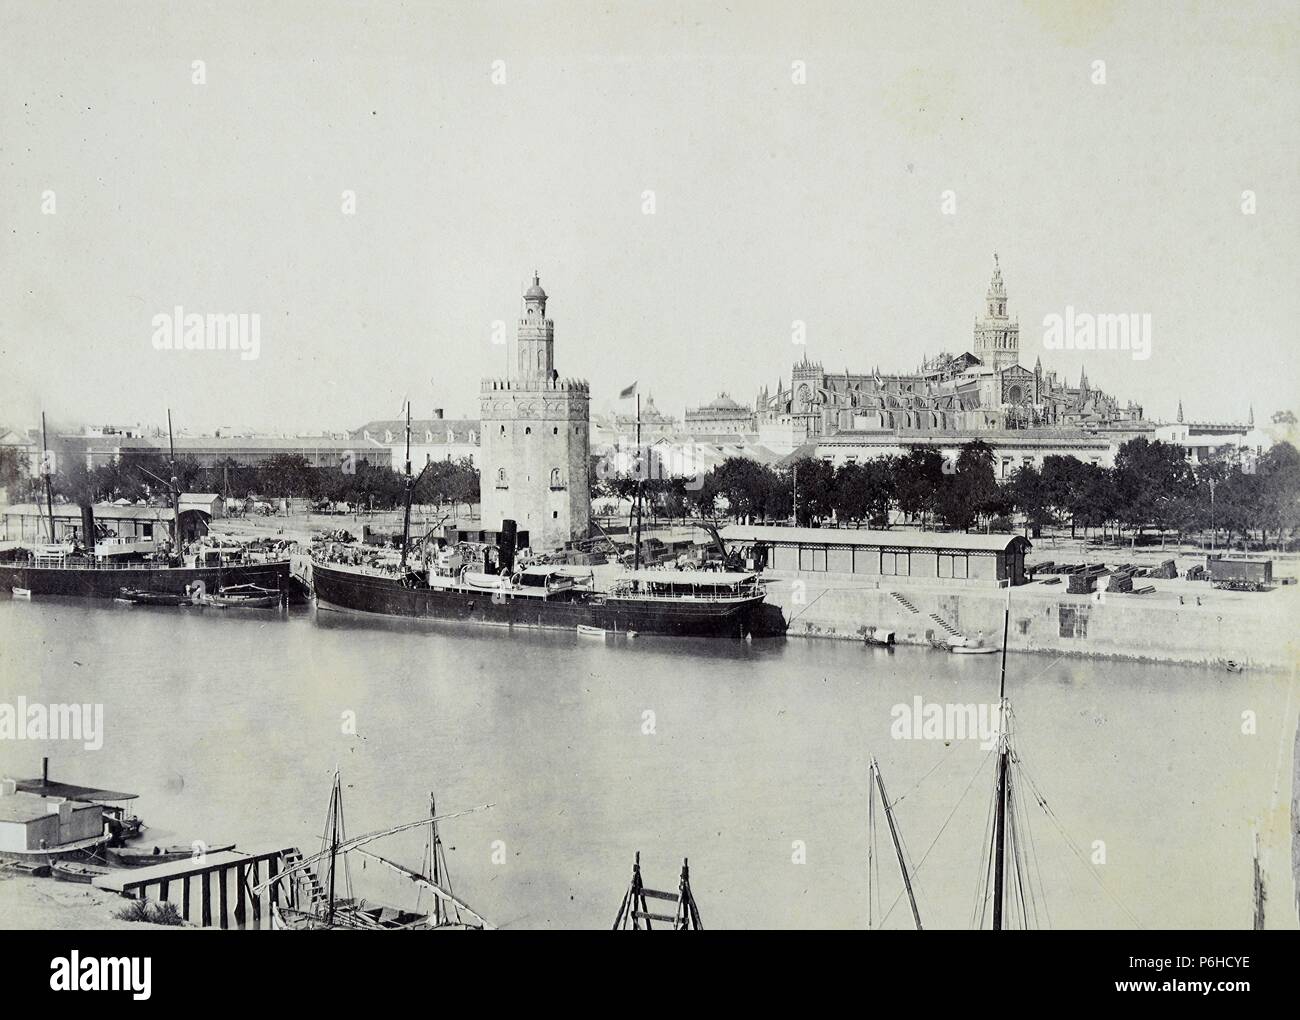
(534, 385)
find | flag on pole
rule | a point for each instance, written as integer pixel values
(629, 392)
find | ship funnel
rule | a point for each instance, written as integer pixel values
(506, 545)
(88, 527)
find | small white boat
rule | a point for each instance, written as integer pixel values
(22, 593)
(970, 646)
(593, 632)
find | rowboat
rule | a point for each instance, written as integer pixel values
(972, 649)
(32, 869)
(960, 644)
(21, 593)
(140, 596)
(878, 637)
(139, 857)
(242, 596)
(592, 632)
(75, 871)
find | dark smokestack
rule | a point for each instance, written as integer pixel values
(506, 545)
(88, 527)
(45, 771)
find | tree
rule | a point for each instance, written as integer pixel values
(10, 468)
(881, 488)
(971, 490)
(813, 481)
(1148, 477)
(919, 477)
(852, 492)
(745, 484)
(1029, 495)
(286, 474)
(1278, 472)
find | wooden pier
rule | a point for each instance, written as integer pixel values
(212, 891)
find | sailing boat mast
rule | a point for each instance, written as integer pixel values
(435, 848)
(335, 807)
(410, 488)
(1261, 894)
(641, 469)
(174, 485)
(45, 470)
(898, 848)
(1004, 750)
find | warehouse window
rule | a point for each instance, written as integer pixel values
(953, 565)
(896, 564)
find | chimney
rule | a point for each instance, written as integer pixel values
(8, 787)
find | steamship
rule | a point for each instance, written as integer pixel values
(673, 602)
(102, 577)
(106, 565)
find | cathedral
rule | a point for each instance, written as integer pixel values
(984, 388)
(534, 439)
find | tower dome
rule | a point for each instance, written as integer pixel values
(535, 291)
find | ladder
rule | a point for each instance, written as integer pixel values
(634, 914)
(306, 878)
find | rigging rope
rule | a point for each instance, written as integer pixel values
(944, 826)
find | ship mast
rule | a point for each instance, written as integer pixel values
(174, 485)
(636, 548)
(898, 848)
(1004, 751)
(45, 470)
(334, 820)
(410, 488)
(435, 846)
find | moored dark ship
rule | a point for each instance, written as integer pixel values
(89, 577)
(90, 564)
(446, 586)
(701, 603)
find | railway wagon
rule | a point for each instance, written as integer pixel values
(1239, 574)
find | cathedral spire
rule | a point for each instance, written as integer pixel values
(997, 293)
(1083, 379)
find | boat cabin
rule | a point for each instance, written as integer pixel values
(31, 823)
(686, 584)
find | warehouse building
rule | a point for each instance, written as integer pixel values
(954, 557)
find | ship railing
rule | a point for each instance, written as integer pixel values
(731, 593)
(88, 563)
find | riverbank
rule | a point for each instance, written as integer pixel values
(1181, 622)
(44, 903)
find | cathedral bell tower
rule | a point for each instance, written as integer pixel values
(997, 337)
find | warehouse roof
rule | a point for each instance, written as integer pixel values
(864, 537)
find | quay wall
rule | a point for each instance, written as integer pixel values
(1255, 629)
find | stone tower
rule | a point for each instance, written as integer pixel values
(534, 439)
(997, 338)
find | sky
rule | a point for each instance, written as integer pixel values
(848, 166)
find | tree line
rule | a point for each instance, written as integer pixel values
(147, 475)
(1151, 486)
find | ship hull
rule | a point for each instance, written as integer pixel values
(107, 583)
(349, 591)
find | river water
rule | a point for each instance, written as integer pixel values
(749, 758)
